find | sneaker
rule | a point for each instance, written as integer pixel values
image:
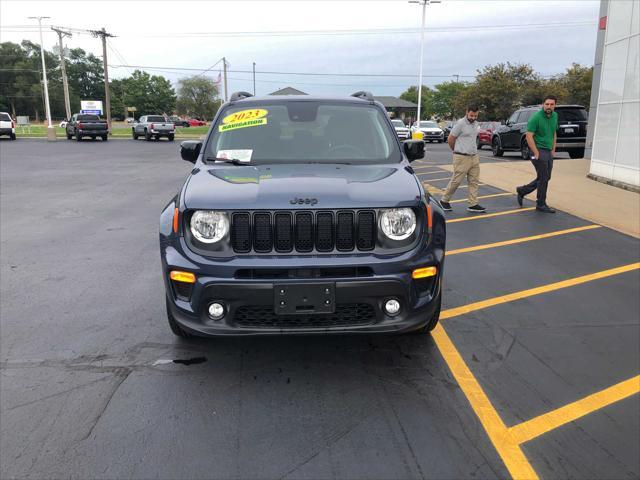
(520, 196)
(446, 206)
(545, 209)
(476, 209)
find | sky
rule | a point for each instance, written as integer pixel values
(298, 36)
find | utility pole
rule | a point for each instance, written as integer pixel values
(103, 34)
(51, 133)
(254, 79)
(457, 78)
(224, 65)
(417, 134)
(63, 69)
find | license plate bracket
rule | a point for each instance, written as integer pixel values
(569, 130)
(303, 298)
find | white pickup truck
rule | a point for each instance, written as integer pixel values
(153, 126)
(7, 126)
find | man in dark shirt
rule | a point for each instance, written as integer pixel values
(541, 138)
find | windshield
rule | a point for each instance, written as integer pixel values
(88, 118)
(397, 123)
(155, 118)
(428, 125)
(5, 117)
(303, 131)
(572, 114)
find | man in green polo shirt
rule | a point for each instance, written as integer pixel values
(541, 138)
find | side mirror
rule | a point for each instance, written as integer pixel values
(190, 150)
(413, 149)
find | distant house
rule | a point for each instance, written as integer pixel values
(288, 91)
(398, 108)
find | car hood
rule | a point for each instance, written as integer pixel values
(432, 130)
(284, 186)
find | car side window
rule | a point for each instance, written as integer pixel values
(513, 118)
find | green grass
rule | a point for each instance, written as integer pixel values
(118, 132)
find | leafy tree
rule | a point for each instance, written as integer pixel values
(411, 95)
(443, 97)
(198, 97)
(86, 77)
(576, 82)
(150, 94)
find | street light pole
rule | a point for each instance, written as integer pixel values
(51, 133)
(417, 134)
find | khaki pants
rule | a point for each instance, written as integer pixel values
(464, 165)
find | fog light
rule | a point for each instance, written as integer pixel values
(216, 311)
(424, 272)
(392, 307)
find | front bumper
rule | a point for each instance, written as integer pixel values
(561, 146)
(359, 298)
(7, 131)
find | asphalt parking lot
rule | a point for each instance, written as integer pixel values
(533, 371)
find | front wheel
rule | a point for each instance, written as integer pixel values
(78, 137)
(433, 321)
(134, 135)
(171, 137)
(105, 138)
(173, 324)
(69, 136)
(147, 137)
(576, 153)
(524, 151)
(12, 136)
(495, 148)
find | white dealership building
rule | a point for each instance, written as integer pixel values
(613, 141)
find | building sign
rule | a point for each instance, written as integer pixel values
(91, 106)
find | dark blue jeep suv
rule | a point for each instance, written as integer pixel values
(302, 215)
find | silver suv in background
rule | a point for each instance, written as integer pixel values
(401, 129)
(153, 126)
(7, 125)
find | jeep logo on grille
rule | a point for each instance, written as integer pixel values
(303, 201)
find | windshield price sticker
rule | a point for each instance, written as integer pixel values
(240, 155)
(244, 115)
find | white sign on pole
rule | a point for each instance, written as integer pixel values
(91, 106)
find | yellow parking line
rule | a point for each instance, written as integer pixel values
(488, 215)
(484, 196)
(510, 452)
(535, 427)
(522, 239)
(454, 312)
(437, 179)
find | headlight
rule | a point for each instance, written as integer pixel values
(398, 223)
(209, 226)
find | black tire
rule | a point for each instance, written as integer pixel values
(147, 137)
(78, 137)
(12, 136)
(134, 134)
(433, 321)
(173, 325)
(186, 125)
(105, 138)
(69, 136)
(576, 153)
(93, 138)
(495, 147)
(525, 153)
(171, 137)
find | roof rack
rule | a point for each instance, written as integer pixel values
(363, 95)
(239, 96)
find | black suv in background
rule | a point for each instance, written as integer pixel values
(572, 131)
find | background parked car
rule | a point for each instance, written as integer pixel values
(401, 129)
(179, 122)
(82, 125)
(7, 125)
(194, 122)
(431, 131)
(153, 126)
(446, 129)
(572, 131)
(485, 134)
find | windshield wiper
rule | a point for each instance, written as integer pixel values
(233, 161)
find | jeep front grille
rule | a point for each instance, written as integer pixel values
(303, 232)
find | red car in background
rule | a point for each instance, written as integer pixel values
(485, 133)
(193, 122)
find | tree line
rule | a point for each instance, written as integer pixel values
(22, 93)
(500, 89)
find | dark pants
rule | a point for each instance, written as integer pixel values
(543, 166)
